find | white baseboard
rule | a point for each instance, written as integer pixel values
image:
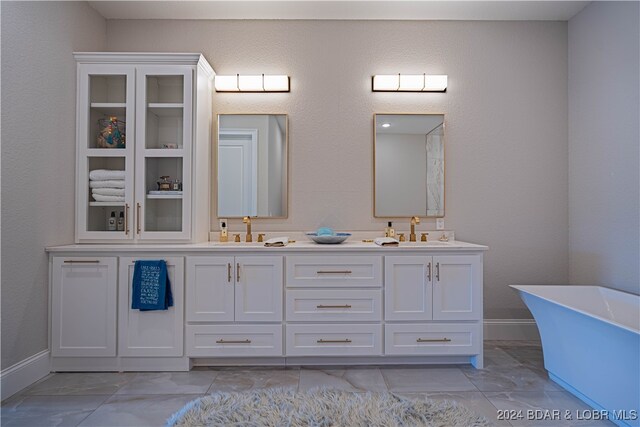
(510, 329)
(23, 374)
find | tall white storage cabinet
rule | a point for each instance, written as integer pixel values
(141, 117)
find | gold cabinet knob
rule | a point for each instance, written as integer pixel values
(260, 237)
(423, 237)
(236, 238)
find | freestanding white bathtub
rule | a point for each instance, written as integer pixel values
(591, 344)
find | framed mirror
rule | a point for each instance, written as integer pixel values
(408, 153)
(252, 163)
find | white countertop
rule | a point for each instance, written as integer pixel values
(298, 246)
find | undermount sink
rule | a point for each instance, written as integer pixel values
(237, 244)
(420, 244)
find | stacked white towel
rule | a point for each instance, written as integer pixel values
(107, 185)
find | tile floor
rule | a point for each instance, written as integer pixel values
(513, 378)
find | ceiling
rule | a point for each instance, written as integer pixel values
(342, 9)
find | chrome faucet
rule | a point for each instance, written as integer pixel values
(249, 237)
(414, 220)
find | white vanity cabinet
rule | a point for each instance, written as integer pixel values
(83, 306)
(239, 304)
(438, 299)
(240, 289)
(433, 288)
(154, 333)
(230, 303)
(141, 117)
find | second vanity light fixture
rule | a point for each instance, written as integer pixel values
(409, 83)
(252, 83)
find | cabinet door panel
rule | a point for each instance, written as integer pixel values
(164, 97)
(83, 307)
(151, 333)
(457, 287)
(210, 288)
(258, 289)
(407, 288)
(104, 91)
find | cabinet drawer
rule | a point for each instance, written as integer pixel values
(433, 339)
(334, 305)
(334, 340)
(334, 271)
(234, 340)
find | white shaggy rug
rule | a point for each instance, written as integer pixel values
(321, 408)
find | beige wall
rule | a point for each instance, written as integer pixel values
(506, 113)
(604, 146)
(38, 152)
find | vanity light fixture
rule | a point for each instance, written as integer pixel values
(409, 83)
(252, 83)
(386, 125)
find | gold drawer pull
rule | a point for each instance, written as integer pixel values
(321, 341)
(334, 272)
(333, 306)
(81, 261)
(247, 341)
(433, 340)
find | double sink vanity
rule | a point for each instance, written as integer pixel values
(244, 303)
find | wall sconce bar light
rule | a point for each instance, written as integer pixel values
(409, 83)
(252, 83)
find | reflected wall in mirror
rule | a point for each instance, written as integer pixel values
(252, 165)
(408, 165)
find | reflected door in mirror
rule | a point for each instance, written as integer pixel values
(252, 165)
(238, 182)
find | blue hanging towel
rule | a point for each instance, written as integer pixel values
(151, 286)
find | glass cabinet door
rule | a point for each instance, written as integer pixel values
(106, 128)
(164, 133)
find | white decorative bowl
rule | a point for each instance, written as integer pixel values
(328, 240)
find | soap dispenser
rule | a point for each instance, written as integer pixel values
(389, 231)
(111, 222)
(120, 224)
(224, 234)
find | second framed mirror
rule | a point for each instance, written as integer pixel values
(408, 151)
(252, 165)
